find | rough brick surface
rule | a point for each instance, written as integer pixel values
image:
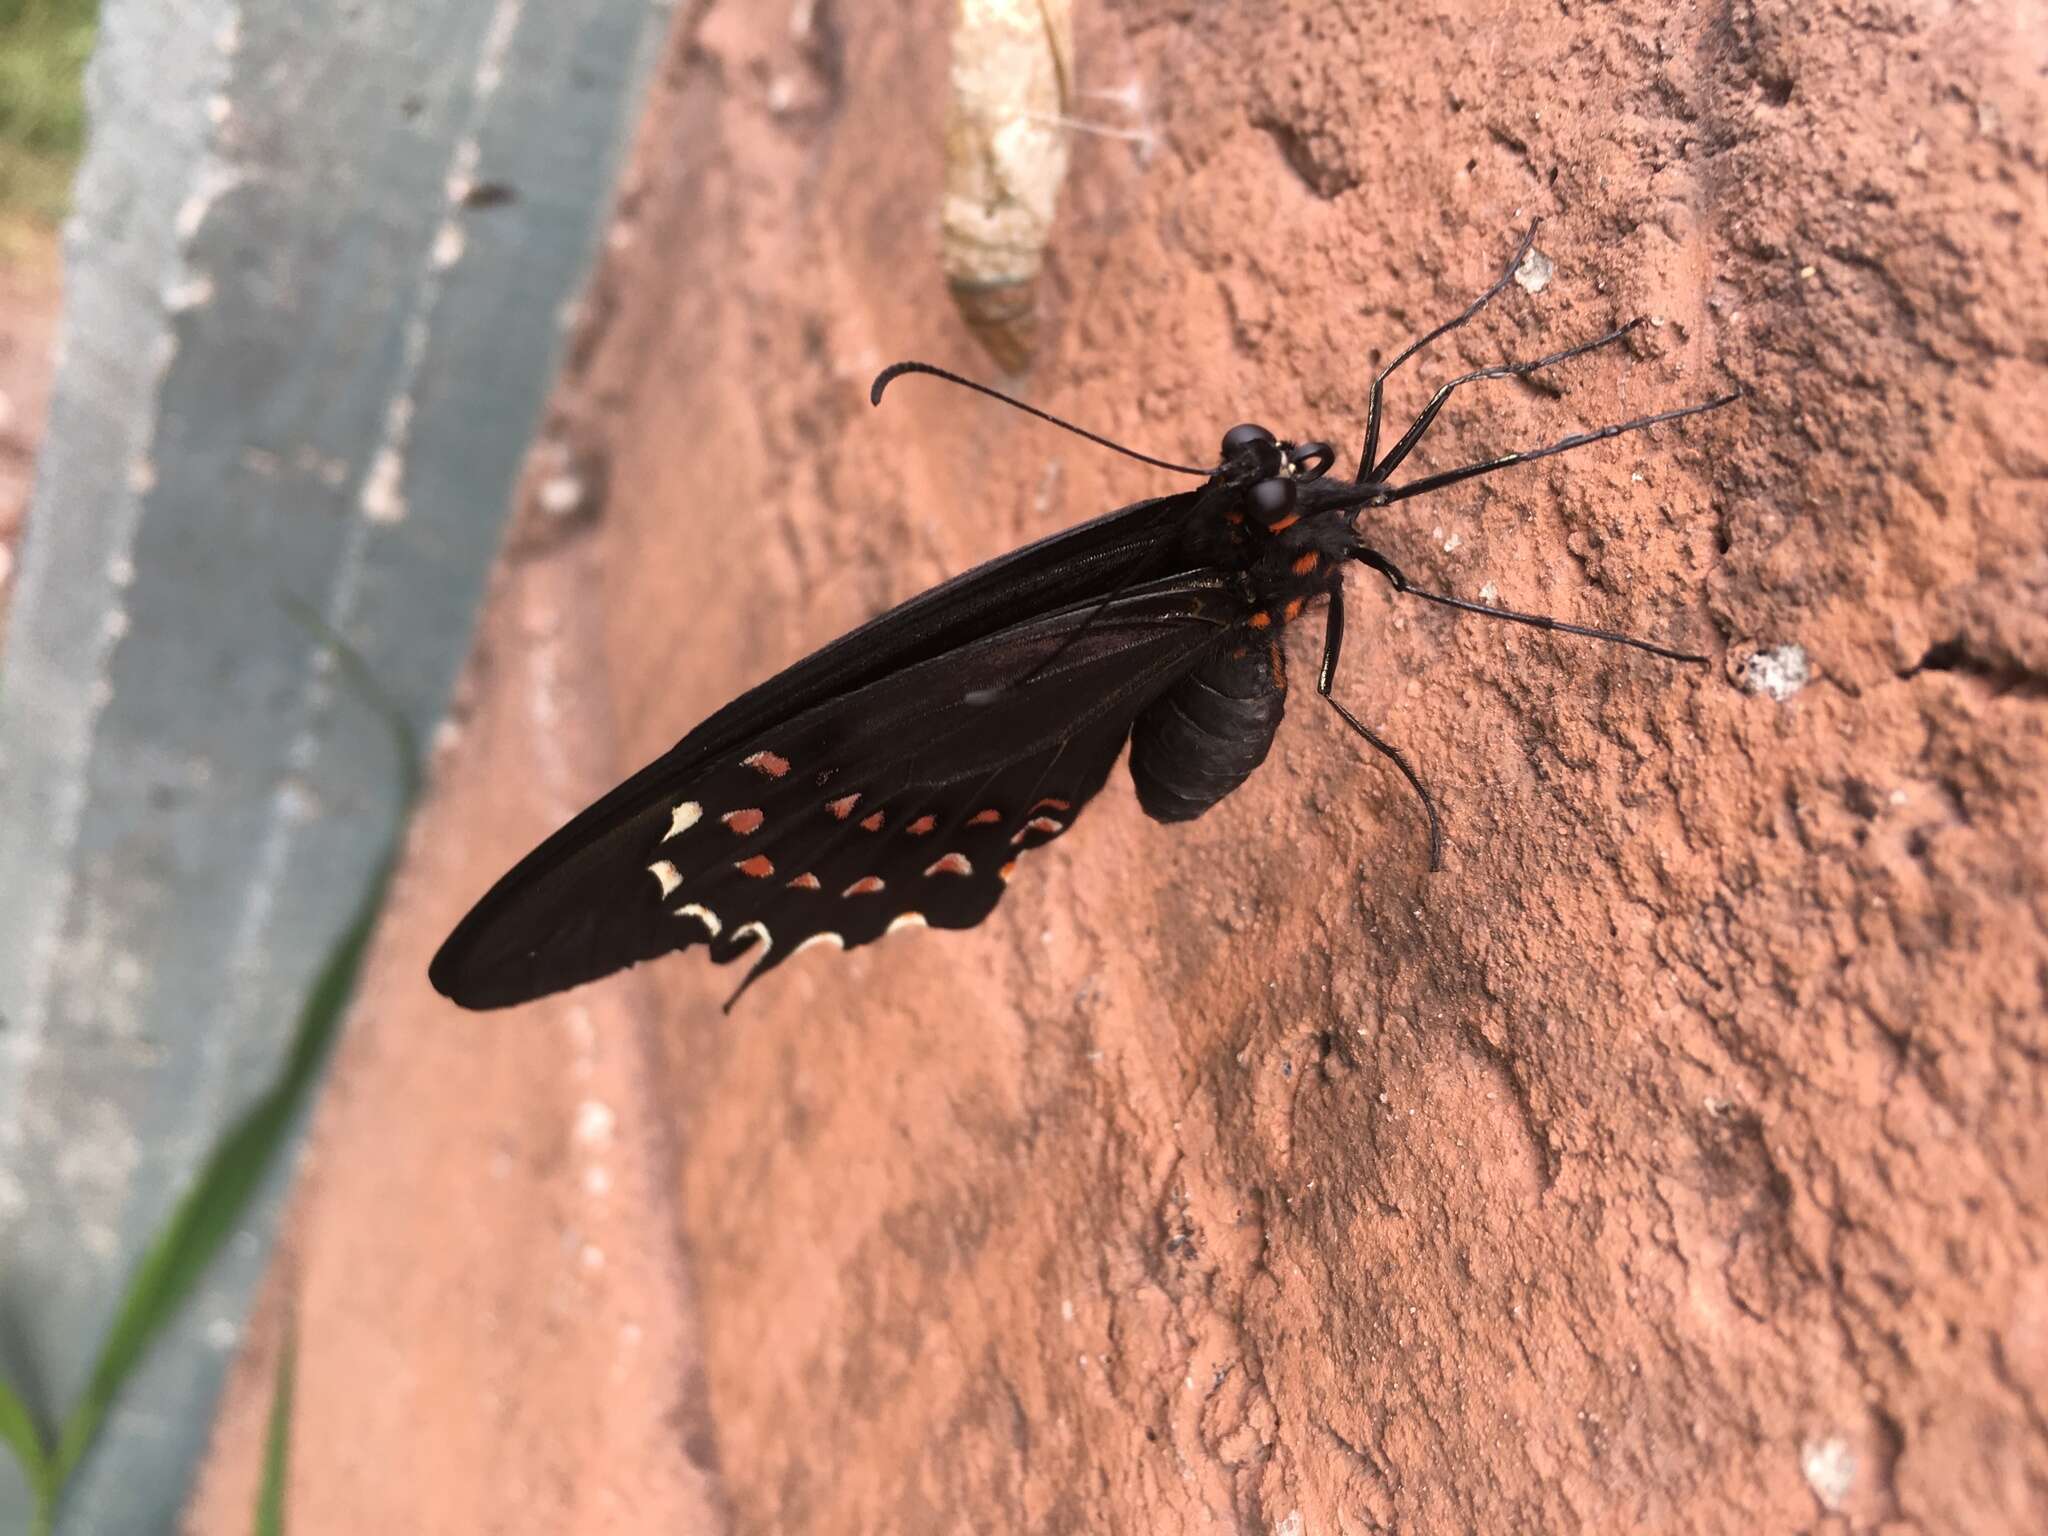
(1673, 1160)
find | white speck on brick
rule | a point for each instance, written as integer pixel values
(1830, 1468)
(1535, 272)
(1780, 672)
(561, 494)
(594, 1122)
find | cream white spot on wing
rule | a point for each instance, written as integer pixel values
(905, 920)
(759, 931)
(682, 818)
(665, 872)
(703, 915)
(817, 940)
(951, 864)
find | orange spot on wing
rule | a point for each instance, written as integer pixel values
(866, 885)
(758, 866)
(769, 763)
(804, 882)
(983, 818)
(951, 864)
(1307, 563)
(1260, 620)
(871, 823)
(922, 825)
(1007, 870)
(1058, 805)
(1293, 609)
(1279, 660)
(843, 806)
(743, 822)
(1284, 524)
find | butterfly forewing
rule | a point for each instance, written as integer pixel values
(901, 800)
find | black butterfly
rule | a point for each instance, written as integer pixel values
(897, 776)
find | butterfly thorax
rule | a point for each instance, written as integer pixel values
(1270, 516)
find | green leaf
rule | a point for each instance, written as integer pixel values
(277, 1442)
(216, 1204)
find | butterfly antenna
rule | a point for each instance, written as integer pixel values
(896, 370)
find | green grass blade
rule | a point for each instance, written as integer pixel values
(19, 1429)
(208, 1215)
(215, 1205)
(277, 1441)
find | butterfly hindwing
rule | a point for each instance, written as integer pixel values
(900, 800)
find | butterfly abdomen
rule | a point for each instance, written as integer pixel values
(1202, 738)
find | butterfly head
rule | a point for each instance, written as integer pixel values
(1269, 471)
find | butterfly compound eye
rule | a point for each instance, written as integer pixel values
(1270, 500)
(1243, 436)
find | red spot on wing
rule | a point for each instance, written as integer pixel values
(871, 823)
(922, 825)
(767, 762)
(866, 885)
(1050, 802)
(804, 882)
(758, 866)
(744, 822)
(951, 864)
(1037, 824)
(843, 806)
(984, 818)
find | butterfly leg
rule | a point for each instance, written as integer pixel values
(1401, 584)
(1333, 644)
(1372, 417)
(1401, 450)
(1436, 482)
